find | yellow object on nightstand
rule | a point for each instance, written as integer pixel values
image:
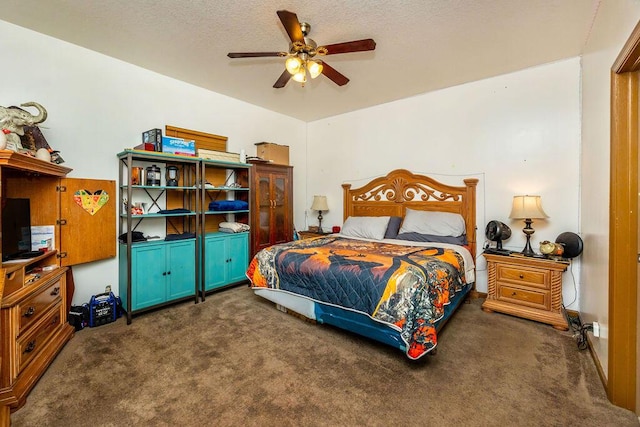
(526, 287)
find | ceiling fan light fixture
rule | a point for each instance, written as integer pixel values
(315, 68)
(300, 76)
(293, 65)
(302, 49)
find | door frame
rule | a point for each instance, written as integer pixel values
(623, 225)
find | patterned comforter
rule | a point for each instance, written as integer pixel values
(404, 286)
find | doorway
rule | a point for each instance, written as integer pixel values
(623, 369)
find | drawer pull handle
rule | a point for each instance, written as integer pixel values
(30, 346)
(513, 294)
(55, 291)
(522, 276)
(30, 312)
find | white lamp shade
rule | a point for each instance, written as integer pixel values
(527, 207)
(319, 203)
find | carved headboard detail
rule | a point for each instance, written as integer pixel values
(392, 194)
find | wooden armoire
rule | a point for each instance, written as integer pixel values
(37, 291)
(271, 205)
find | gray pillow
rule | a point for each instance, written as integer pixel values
(433, 223)
(368, 227)
(417, 237)
(393, 227)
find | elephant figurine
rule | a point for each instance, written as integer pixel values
(15, 119)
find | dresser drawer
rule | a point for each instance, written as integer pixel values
(523, 276)
(37, 337)
(529, 297)
(34, 307)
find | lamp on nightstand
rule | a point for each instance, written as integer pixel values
(527, 208)
(319, 204)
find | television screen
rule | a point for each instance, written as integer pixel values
(16, 228)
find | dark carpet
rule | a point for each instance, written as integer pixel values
(236, 360)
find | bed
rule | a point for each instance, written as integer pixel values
(401, 265)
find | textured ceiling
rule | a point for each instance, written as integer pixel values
(422, 45)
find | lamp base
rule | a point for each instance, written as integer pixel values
(320, 222)
(528, 231)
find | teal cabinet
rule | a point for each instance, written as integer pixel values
(179, 195)
(226, 258)
(161, 272)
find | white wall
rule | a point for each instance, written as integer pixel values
(98, 106)
(518, 133)
(613, 26)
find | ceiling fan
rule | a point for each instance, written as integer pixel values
(300, 60)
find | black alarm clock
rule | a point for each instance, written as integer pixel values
(497, 231)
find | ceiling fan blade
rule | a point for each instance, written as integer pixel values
(291, 24)
(254, 54)
(354, 46)
(334, 75)
(282, 80)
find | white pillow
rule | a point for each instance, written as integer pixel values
(435, 223)
(368, 227)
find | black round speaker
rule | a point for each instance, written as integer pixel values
(572, 244)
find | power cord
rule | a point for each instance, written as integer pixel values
(580, 331)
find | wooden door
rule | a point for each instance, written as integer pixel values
(88, 220)
(623, 232)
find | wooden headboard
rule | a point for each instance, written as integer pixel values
(391, 195)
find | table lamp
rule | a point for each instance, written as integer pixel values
(319, 204)
(527, 208)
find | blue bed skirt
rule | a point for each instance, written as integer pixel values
(363, 325)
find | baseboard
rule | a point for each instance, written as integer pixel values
(596, 361)
(475, 294)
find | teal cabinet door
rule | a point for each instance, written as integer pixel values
(238, 248)
(148, 276)
(181, 271)
(215, 262)
(226, 259)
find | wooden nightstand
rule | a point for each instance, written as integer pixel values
(309, 234)
(526, 287)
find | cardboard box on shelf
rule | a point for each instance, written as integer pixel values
(179, 146)
(218, 155)
(274, 153)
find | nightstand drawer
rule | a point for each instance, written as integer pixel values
(523, 276)
(531, 298)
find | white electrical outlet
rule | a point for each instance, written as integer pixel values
(596, 329)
